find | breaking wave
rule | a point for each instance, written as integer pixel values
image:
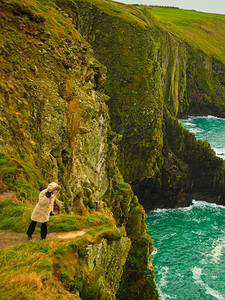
(190, 251)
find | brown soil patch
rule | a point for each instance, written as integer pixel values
(8, 195)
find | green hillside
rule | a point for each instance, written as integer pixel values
(205, 31)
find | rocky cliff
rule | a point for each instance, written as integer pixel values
(109, 256)
(66, 118)
(55, 127)
(154, 75)
(53, 109)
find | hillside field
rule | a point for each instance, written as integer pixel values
(202, 30)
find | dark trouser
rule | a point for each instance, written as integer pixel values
(32, 226)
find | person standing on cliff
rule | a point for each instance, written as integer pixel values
(43, 209)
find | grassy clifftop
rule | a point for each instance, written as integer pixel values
(204, 31)
(62, 268)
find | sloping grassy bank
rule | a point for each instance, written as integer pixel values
(204, 31)
(50, 269)
(15, 216)
(54, 268)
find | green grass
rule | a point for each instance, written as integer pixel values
(64, 223)
(128, 13)
(50, 269)
(53, 268)
(21, 176)
(24, 266)
(15, 216)
(204, 31)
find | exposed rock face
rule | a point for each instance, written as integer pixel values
(53, 109)
(54, 127)
(109, 256)
(150, 71)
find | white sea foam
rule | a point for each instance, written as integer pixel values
(193, 130)
(161, 210)
(213, 117)
(185, 208)
(197, 273)
(187, 123)
(206, 204)
(164, 296)
(195, 203)
(204, 117)
(197, 220)
(166, 210)
(163, 273)
(220, 152)
(155, 251)
(217, 251)
(221, 156)
(198, 232)
(213, 293)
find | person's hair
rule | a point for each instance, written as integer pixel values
(58, 188)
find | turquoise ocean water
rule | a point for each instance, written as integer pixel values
(208, 128)
(189, 255)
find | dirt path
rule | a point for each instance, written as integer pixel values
(9, 238)
(7, 195)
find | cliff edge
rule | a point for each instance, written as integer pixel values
(55, 127)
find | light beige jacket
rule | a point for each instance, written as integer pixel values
(45, 205)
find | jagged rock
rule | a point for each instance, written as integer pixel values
(110, 256)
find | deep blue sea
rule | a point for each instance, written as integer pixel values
(189, 255)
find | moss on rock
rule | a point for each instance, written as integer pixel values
(149, 70)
